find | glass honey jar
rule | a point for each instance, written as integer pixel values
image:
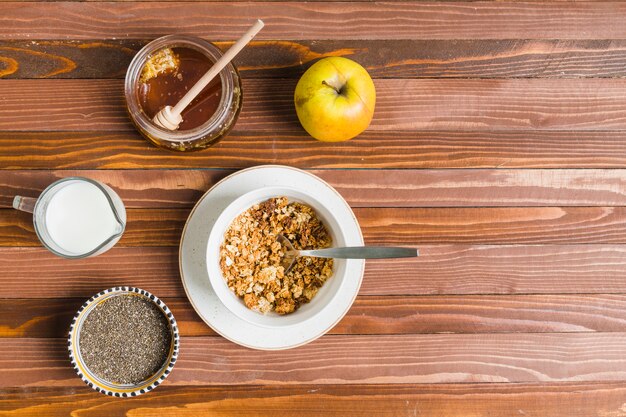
(208, 118)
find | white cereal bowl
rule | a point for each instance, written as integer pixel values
(235, 304)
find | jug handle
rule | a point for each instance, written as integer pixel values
(26, 204)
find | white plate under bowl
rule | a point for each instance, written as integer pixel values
(193, 267)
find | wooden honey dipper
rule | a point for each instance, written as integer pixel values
(170, 117)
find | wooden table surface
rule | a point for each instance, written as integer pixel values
(498, 147)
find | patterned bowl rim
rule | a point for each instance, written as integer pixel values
(106, 387)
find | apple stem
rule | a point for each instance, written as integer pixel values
(337, 90)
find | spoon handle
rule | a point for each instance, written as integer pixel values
(362, 252)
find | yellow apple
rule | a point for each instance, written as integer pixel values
(335, 99)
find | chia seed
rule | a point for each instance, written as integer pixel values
(125, 339)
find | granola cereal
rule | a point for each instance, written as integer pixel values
(250, 256)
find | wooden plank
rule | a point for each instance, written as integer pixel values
(442, 269)
(144, 227)
(66, 59)
(361, 188)
(153, 269)
(372, 315)
(392, 226)
(531, 225)
(291, 20)
(480, 269)
(583, 399)
(406, 58)
(138, 188)
(402, 104)
(460, 149)
(448, 358)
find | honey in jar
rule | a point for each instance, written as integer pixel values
(161, 74)
(165, 82)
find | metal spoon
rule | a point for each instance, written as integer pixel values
(352, 252)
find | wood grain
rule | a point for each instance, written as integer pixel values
(401, 104)
(294, 20)
(469, 358)
(532, 225)
(459, 149)
(138, 188)
(361, 188)
(153, 269)
(384, 400)
(405, 58)
(144, 227)
(392, 226)
(517, 305)
(442, 269)
(375, 315)
(66, 59)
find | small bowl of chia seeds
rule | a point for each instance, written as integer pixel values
(123, 342)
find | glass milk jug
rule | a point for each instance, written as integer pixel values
(76, 217)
